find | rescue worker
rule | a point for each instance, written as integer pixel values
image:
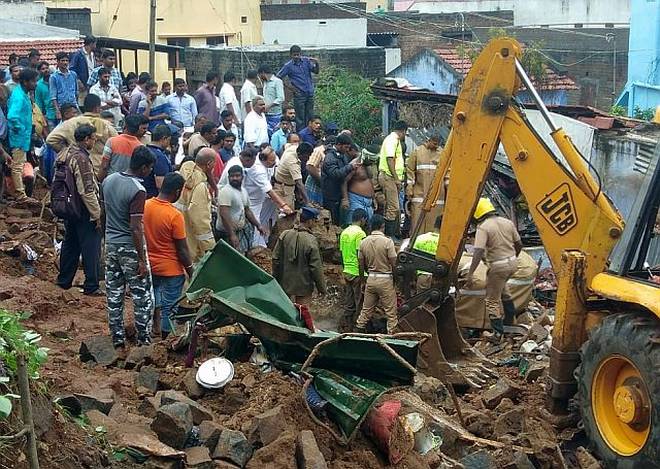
(391, 171)
(297, 264)
(377, 259)
(498, 242)
(196, 202)
(420, 170)
(428, 244)
(349, 245)
(288, 174)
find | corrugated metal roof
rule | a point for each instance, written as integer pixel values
(12, 30)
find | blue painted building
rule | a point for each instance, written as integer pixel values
(643, 88)
(443, 71)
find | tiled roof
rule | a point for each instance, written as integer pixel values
(551, 81)
(48, 48)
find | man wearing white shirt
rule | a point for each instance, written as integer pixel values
(110, 97)
(248, 92)
(183, 107)
(255, 127)
(228, 100)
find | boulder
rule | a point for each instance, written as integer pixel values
(101, 401)
(199, 412)
(267, 427)
(233, 447)
(149, 406)
(308, 455)
(172, 424)
(191, 386)
(503, 388)
(98, 349)
(139, 356)
(209, 433)
(198, 457)
(148, 378)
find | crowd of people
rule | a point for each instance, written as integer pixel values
(148, 177)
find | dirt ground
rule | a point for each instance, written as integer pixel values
(517, 425)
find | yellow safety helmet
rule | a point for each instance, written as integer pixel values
(483, 207)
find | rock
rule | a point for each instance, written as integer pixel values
(199, 412)
(95, 402)
(98, 349)
(198, 457)
(504, 406)
(191, 386)
(585, 459)
(209, 433)
(99, 419)
(172, 424)
(139, 356)
(155, 462)
(534, 372)
(519, 461)
(308, 454)
(234, 447)
(267, 427)
(149, 406)
(510, 422)
(479, 423)
(479, 460)
(70, 403)
(537, 333)
(280, 453)
(494, 395)
(148, 378)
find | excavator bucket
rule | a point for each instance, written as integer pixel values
(446, 355)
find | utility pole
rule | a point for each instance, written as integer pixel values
(152, 39)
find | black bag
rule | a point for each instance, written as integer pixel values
(65, 202)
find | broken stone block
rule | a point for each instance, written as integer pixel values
(267, 427)
(191, 386)
(198, 457)
(503, 388)
(585, 459)
(98, 349)
(199, 412)
(172, 424)
(148, 378)
(534, 372)
(308, 454)
(209, 433)
(234, 447)
(95, 402)
(481, 459)
(139, 356)
(149, 406)
(510, 422)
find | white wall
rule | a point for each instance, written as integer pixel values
(316, 32)
(29, 12)
(392, 58)
(539, 12)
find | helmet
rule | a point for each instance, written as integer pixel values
(483, 207)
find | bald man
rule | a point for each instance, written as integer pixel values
(196, 203)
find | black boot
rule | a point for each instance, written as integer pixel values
(509, 312)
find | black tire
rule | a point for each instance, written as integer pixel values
(634, 336)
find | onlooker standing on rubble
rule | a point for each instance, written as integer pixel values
(297, 263)
(299, 71)
(349, 245)
(248, 92)
(278, 139)
(337, 165)
(205, 98)
(420, 170)
(154, 106)
(82, 236)
(109, 61)
(227, 125)
(195, 202)
(391, 171)
(63, 84)
(118, 150)
(273, 96)
(83, 60)
(288, 175)
(377, 258)
(498, 242)
(165, 231)
(109, 94)
(126, 260)
(204, 138)
(42, 95)
(255, 127)
(160, 143)
(183, 107)
(228, 99)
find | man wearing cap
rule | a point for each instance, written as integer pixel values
(349, 245)
(497, 240)
(377, 258)
(297, 263)
(420, 170)
(391, 171)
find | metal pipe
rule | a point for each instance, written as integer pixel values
(535, 96)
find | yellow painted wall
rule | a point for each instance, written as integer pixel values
(195, 19)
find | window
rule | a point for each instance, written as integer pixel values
(244, 19)
(216, 40)
(171, 57)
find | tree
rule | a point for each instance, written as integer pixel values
(345, 98)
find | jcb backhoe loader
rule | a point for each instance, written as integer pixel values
(606, 338)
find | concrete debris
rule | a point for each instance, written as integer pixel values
(148, 378)
(98, 349)
(173, 423)
(586, 460)
(267, 427)
(503, 388)
(481, 459)
(510, 422)
(534, 372)
(308, 455)
(199, 412)
(234, 447)
(209, 433)
(537, 333)
(198, 457)
(520, 461)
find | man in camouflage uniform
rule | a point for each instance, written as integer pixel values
(126, 253)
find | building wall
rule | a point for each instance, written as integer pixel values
(426, 70)
(29, 11)
(539, 12)
(194, 20)
(392, 58)
(316, 32)
(71, 18)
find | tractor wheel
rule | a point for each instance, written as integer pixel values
(619, 387)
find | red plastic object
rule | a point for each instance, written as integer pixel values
(379, 425)
(306, 316)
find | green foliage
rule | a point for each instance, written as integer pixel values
(345, 97)
(617, 110)
(15, 340)
(643, 114)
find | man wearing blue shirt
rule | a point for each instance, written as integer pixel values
(183, 107)
(312, 133)
(63, 84)
(83, 60)
(299, 71)
(160, 143)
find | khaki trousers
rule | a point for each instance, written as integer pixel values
(496, 288)
(19, 158)
(379, 292)
(352, 300)
(391, 192)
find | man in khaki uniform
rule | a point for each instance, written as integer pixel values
(378, 258)
(288, 175)
(498, 241)
(420, 169)
(62, 136)
(391, 171)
